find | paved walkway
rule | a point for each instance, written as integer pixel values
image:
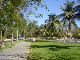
(17, 52)
(71, 41)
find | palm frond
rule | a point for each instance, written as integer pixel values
(62, 8)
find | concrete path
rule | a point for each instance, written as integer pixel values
(17, 52)
(71, 41)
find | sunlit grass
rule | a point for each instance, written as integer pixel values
(53, 50)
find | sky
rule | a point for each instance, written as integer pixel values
(53, 7)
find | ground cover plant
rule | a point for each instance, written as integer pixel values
(53, 50)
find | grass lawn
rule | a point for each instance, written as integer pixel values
(53, 50)
(8, 45)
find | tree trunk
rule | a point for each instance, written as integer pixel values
(2, 45)
(17, 35)
(24, 34)
(70, 34)
(30, 33)
(12, 38)
(52, 35)
(1, 35)
(63, 40)
(69, 29)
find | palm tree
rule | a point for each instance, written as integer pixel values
(51, 24)
(68, 15)
(41, 30)
(77, 10)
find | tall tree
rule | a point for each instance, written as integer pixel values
(51, 24)
(68, 15)
(32, 28)
(10, 8)
(11, 29)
